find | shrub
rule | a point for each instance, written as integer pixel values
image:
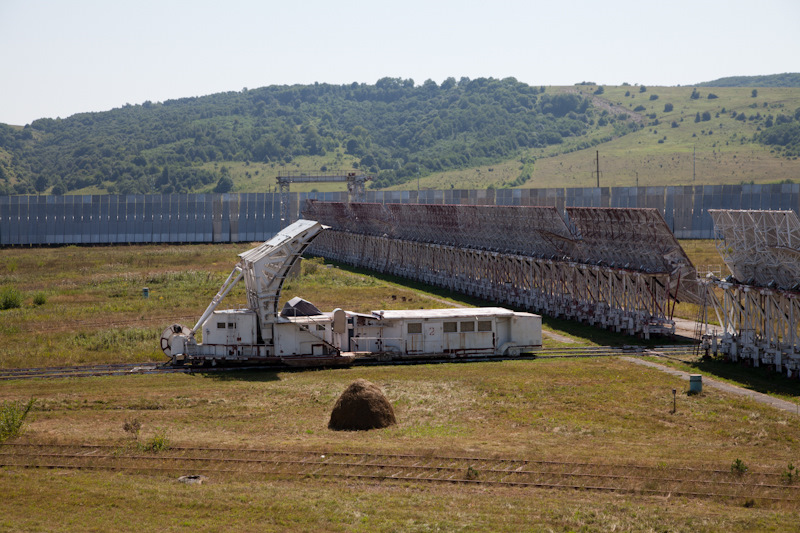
(39, 298)
(695, 95)
(133, 427)
(642, 89)
(225, 184)
(789, 475)
(738, 467)
(712, 96)
(653, 97)
(10, 298)
(12, 416)
(754, 93)
(639, 108)
(667, 108)
(157, 443)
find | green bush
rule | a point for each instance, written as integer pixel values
(12, 416)
(39, 298)
(789, 475)
(158, 443)
(738, 468)
(10, 298)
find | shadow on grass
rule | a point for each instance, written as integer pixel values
(585, 332)
(761, 379)
(252, 375)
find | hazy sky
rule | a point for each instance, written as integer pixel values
(60, 57)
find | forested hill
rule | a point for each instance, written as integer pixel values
(787, 79)
(394, 129)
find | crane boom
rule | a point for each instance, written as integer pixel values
(266, 266)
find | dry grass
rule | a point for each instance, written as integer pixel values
(536, 409)
(95, 311)
(139, 504)
(573, 410)
(600, 411)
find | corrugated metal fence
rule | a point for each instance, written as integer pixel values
(36, 220)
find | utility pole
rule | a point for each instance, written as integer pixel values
(597, 171)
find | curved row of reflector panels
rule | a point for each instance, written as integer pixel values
(760, 248)
(634, 239)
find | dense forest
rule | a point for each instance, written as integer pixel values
(395, 130)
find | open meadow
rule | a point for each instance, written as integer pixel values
(670, 147)
(82, 305)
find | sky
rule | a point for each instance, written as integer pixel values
(61, 57)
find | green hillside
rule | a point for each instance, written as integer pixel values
(730, 138)
(394, 130)
(460, 134)
(788, 79)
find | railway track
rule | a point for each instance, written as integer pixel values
(679, 353)
(224, 463)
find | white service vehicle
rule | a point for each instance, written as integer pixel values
(301, 335)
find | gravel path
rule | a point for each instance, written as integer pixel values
(708, 382)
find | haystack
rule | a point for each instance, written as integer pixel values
(361, 406)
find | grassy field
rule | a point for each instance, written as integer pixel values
(717, 151)
(600, 411)
(94, 310)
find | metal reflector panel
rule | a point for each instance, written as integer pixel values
(760, 247)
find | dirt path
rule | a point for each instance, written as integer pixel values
(708, 382)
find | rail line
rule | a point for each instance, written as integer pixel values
(120, 369)
(265, 463)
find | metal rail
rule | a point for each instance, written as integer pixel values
(123, 369)
(643, 479)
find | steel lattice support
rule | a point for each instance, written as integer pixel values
(626, 301)
(760, 247)
(757, 325)
(758, 306)
(356, 187)
(620, 239)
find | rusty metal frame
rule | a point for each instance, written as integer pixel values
(758, 305)
(529, 257)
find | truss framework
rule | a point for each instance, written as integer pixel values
(760, 248)
(758, 325)
(356, 187)
(522, 256)
(758, 307)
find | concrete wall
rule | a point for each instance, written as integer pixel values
(36, 220)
